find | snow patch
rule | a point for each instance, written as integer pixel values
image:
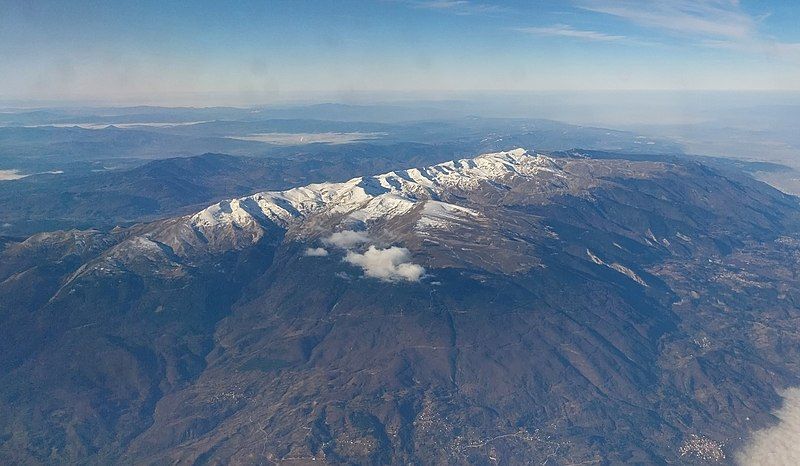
(441, 215)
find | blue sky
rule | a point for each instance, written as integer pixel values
(151, 52)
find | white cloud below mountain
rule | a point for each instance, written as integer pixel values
(347, 239)
(316, 252)
(780, 444)
(390, 264)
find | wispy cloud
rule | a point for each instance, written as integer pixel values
(710, 18)
(458, 7)
(443, 4)
(762, 46)
(565, 30)
(710, 23)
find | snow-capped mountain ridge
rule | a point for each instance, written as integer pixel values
(430, 194)
(369, 198)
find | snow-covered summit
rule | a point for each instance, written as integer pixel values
(370, 198)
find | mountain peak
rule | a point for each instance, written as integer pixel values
(370, 198)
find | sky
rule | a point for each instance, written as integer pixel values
(265, 51)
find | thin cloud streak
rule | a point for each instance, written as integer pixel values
(458, 7)
(443, 4)
(711, 18)
(787, 51)
(565, 30)
(718, 24)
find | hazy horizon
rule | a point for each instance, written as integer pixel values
(210, 99)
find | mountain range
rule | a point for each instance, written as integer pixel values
(515, 307)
